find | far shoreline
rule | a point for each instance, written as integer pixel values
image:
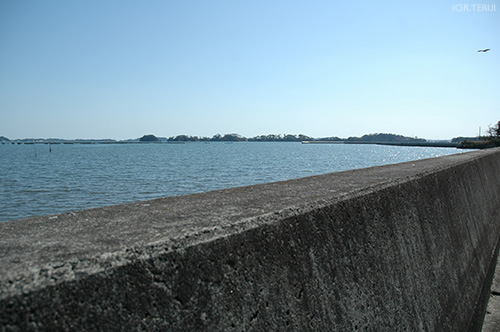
(411, 144)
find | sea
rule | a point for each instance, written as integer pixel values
(42, 179)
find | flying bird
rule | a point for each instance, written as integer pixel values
(485, 50)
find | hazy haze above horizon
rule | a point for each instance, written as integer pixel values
(122, 69)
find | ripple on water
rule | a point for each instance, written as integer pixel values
(35, 181)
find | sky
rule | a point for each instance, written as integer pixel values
(122, 69)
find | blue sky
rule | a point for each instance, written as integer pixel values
(122, 69)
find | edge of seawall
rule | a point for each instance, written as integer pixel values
(398, 246)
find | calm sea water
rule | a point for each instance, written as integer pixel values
(35, 181)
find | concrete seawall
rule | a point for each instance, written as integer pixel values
(401, 247)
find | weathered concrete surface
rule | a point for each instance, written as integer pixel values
(492, 317)
(399, 247)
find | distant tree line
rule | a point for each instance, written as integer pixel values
(293, 138)
(238, 138)
(215, 138)
(280, 138)
(380, 137)
(386, 138)
(462, 139)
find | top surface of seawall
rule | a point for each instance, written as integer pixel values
(42, 251)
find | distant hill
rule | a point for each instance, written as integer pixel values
(149, 138)
(3, 138)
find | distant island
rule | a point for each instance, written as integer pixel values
(229, 138)
(379, 138)
(490, 140)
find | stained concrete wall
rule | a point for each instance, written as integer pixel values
(400, 247)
